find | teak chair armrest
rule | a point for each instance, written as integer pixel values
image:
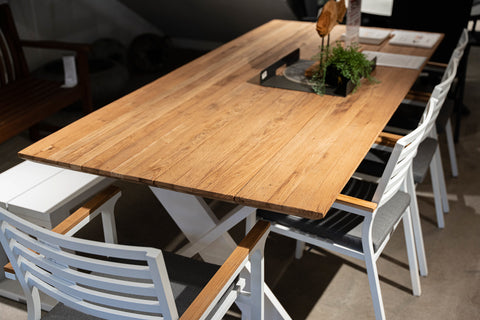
(384, 139)
(418, 95)
(78, 216)
(437, 64)
(230, 268)
(357, 203)
(78, 47)
(387, 139)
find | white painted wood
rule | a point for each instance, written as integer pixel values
(23, 177)
(45, 194)
(61, 192)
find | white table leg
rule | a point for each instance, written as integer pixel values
(195, 218)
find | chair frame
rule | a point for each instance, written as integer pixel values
(34, 271)
(396, 176)
(436, 168)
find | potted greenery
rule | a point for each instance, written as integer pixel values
(340, 70)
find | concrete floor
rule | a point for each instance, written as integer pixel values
(327, 286)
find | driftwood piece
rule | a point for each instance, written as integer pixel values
(332, 13)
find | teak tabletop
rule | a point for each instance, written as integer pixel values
(209, 129)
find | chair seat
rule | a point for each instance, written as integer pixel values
(345, 228)
(188, 277)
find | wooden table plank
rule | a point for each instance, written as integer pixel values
(209, 128)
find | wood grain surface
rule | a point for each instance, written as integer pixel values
(209, 129)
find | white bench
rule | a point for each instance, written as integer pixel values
(44, 195)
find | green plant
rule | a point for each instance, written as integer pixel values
(348, 62)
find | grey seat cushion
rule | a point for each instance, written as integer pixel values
(343, 227)
(187, 276)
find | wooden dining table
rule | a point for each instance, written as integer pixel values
(210, 130)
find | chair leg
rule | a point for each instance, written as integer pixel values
(417, 227)
(109, 226)
(372, 274)
(371, 265)
(436, 192)
(257, 285)
(34, 310)
(437, 159)
(250, 222)
(299, 248)
(451, 148)
(441, 177)
(412, 259)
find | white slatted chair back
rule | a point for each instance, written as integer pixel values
(462, 44)
(459, 50)
(56, 265)
(401, 158)
(440, 94)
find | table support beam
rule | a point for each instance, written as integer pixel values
(197, 221)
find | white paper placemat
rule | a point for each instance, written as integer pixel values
(414, 38)
(371, 36)
(395, 60)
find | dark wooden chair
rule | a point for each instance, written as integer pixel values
(25, 100)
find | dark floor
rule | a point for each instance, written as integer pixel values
(326, 286)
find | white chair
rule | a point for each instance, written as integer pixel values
(427, 158)
(419, 99)
(44, 195)
(112, 281)
(361, 220)
(428, 152)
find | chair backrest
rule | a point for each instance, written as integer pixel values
(13, 64)
(406, 148)
(137, 287)
(401, 158)
(462, 44)
(440, 93)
